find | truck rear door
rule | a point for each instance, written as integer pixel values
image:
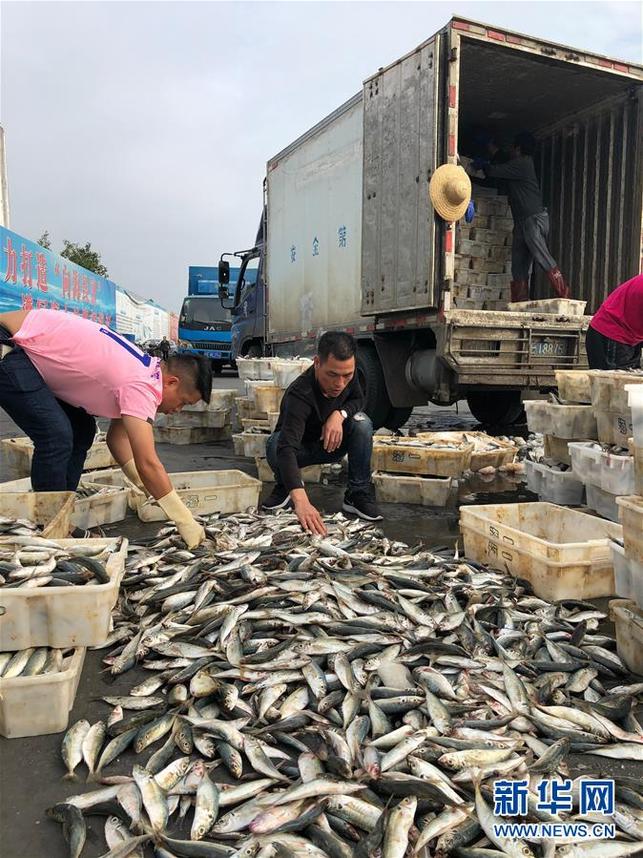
(400, 154)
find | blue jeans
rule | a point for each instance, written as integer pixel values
(61, 433)
(357, 443)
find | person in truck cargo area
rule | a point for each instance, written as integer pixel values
(531, 220)
(63, 371)
(614, 337)
(320, 421)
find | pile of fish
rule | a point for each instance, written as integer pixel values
(18, 527)
(425, 443)
(344, 696)
(33, 561)
(90, 490)
(33, 661)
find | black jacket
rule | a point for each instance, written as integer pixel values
(525, 198)
(304, 410)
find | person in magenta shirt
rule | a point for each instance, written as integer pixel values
(63, 371)
(615, 334)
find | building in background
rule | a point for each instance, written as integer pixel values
(143, 317)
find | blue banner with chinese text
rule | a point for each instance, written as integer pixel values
(34, 278)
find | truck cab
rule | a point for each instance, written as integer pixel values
(245, 299)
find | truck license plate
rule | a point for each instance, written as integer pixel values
(549, 348)
(213, 354)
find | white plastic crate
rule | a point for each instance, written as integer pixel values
(613, 427)
(210, 418)
(563, 553)
(602, 502)
(285, 371)
(556, 306)
(311, 474)
(62, 617)
(574, 385)
(631, 515)
(610, 472)
(51, 510)
(39, 705)
(85, 512)
(561, 487)
(247, 410)
(220, 400)
(628, 621)
(206, 492)
(418, 491)
(248, 424)
(253, 385)
(609, 389)
(254, 369)
(635, 404)
(250, 444)
(100, 509)
(182, 435)
(268, 399)
(571, 422)
(18, 453)
(488, 452)
(557, 449)
(411, 456)
(628, 575)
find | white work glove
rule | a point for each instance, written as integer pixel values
(174, 508)
(137, 491)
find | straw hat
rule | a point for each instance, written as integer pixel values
(450, 192)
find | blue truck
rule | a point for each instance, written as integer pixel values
(204, 325)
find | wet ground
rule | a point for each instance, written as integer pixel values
(31, 769)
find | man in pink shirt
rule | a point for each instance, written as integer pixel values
(64, 371)
(615, 334)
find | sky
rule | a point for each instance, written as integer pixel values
(145, 127)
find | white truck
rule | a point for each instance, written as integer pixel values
(349, 239)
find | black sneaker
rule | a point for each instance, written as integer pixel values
(363, 504)
(279, 498)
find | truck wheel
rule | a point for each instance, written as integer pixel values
(397, 417)
(371, 379)
(497, 407)
(217, 367)
(254, 351)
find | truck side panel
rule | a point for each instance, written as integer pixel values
(400, 143)
(314, 195)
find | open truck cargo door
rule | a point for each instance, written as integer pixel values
(400, 155)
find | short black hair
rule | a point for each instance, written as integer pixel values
(340, 345)
(526, 142)
(194, 369)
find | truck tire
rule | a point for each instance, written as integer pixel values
(254, 351)
(397, 417)
(217, 367)
(496, 407)
(371, 379)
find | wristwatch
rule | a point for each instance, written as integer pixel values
(343, 413)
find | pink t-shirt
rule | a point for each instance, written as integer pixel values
(90, 366)
(620, 316)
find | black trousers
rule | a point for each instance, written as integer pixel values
(62, 434)
(605, 353)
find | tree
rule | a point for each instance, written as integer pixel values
(84, 255)
(45, 240)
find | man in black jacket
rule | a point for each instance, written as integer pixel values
(321, 421)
